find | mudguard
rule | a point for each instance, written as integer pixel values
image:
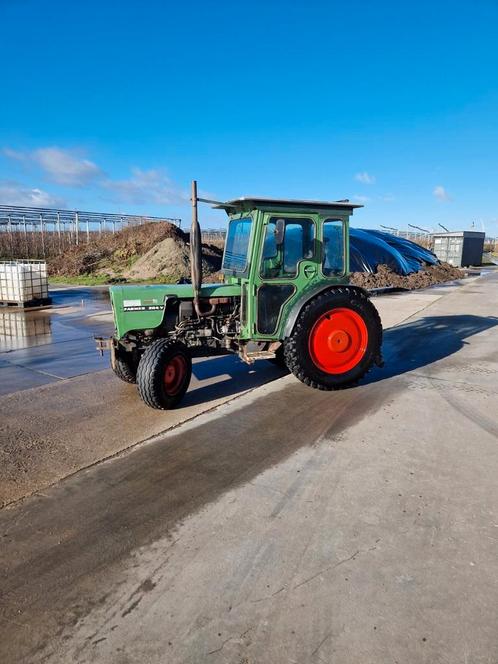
(309, 295)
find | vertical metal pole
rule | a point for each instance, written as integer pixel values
(195, 251)
(25, 235)
(100, 227)
(87, 231)
(42, 235)
(58, 224)
(10, 236)
(113, 226)
(77, 227)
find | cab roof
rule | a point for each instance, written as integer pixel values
(251, 202)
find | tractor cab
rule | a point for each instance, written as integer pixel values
(280, 252)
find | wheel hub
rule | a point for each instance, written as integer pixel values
(338, 340)
(174, 374)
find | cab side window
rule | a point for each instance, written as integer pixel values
(297, 243)
(333, 247)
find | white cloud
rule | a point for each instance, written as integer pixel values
(13, 193)
(441, 194)
(14, 154)
(365, 178)
(151, 186)
(65, 167)
(68, 167)
(360, 199)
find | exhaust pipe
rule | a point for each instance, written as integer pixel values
(196, 256)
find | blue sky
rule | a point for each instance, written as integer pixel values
(116, 106)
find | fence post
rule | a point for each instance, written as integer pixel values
(77, 227)
(25, 235)
(87, 231)
(59, 232)
(11, 237)
(42, 235)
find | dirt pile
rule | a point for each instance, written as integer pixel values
(385, 277)
(152, 250)
(170, 259)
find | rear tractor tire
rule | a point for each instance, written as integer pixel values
(164, 374)
(336, 340)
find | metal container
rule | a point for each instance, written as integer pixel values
(460, 249)
(23, 283)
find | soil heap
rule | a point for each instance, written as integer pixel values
(385, 277)
(153, 250)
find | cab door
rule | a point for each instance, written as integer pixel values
(287, 265)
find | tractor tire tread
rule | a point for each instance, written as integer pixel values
(124, 371)
(150, 374)
(293, 356)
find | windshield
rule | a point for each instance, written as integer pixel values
(237, 244)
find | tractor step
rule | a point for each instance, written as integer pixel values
(252, 356)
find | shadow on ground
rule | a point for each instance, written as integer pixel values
(230, 376)
(406, 347)
(421, 342)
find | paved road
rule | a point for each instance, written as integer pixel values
(289, 525)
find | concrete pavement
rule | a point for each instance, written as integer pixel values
(84, 414)
(289, 525)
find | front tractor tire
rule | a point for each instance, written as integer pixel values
(164, 374)
(336, 340)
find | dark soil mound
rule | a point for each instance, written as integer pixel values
(385, 277)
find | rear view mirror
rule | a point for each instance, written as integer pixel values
(279, 231)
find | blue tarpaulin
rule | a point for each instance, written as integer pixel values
(370, 248)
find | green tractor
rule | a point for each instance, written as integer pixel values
(285, 297)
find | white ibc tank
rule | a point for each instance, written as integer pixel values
(23, 281)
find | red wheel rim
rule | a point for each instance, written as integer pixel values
(338, 341)
(174, 374)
